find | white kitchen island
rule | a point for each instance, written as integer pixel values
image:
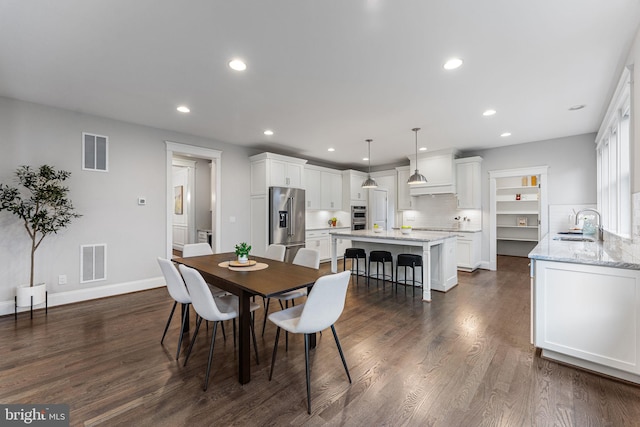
(438, 253)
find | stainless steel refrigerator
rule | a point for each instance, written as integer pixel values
(287, 219)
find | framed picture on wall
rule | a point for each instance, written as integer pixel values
(177, 199)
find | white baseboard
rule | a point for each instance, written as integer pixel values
(78, 295)
(486, 265)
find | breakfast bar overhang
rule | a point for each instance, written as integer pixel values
(438, 252)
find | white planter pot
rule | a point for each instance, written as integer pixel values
(243, 259)
(24, 293)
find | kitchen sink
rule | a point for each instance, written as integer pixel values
(574, 239)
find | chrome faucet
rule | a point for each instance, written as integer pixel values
(600, 233)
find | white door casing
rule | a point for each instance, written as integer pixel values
(203, 153)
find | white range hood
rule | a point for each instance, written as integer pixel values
(440, 170)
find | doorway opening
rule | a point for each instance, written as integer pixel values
(191, 212)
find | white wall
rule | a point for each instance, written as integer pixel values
(571, 178)
(33, 135)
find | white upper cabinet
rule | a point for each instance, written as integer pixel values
(405, 201)
(468, 182)
(352, 191)
(440, 170)
(323, 188)
(313, 188)
(274, 170)
(331, 190)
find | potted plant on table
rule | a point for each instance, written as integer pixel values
(44, 208)
(242, 251)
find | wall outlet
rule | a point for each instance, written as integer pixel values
(62, 279)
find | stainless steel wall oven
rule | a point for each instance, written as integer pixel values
(358, 217)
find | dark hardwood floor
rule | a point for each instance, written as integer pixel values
(462, 360)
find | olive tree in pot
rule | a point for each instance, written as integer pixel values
(44, 208)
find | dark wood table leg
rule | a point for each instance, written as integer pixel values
(244, 349)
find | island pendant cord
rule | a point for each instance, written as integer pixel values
(417, 177)
(369, 182)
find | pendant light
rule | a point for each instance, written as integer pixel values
(369, 182)
(417, 177)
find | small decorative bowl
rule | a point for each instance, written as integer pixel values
(405, 230)
(377, 230)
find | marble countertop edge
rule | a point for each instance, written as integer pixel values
(589, 253)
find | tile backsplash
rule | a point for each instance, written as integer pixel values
(319, 219)
(440, 210)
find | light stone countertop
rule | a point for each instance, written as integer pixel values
(448, 229)
(414, 235)
(591, 253)
(339, 227)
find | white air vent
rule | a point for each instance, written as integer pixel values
(93, 263)
(95, 152)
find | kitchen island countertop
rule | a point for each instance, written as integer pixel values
(414, 235)
(448, 229)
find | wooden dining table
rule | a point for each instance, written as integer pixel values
(277, 278)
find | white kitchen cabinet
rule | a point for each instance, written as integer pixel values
(440, 170)
(320, 240)
(274, 170)
(323, 188)
(405, 200)
(313, 188)
(331, 190)
(588, 316)
(468, 182)
(468, 250)
(352, 191)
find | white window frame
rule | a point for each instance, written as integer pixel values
(614, 163)
(106, 154)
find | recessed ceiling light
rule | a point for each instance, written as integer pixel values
(268, 132)
(183, 109)
(364, 159)
(505, 134)
(331, 149)
(237, 65)
(489, 113)
(577, 107)
(452, 64)
(423, 149)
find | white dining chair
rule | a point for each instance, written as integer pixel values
(200, 249)
(177, 291)
(307, 258)
(321, 310)
(275, 252)
(212, 309)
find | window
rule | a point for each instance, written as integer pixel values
(94, 152)
(614, 164)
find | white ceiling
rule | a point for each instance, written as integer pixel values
(324, 73)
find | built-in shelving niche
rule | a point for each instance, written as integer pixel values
(518, 211)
